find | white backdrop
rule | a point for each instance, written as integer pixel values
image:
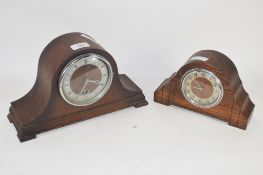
(149, 40)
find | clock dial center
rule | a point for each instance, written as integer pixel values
(85, 79)
(202, 87)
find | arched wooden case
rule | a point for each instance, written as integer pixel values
(235, 107)
(43, 108)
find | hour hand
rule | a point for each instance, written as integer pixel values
(199, 85)
(94, 81)
(198, 88)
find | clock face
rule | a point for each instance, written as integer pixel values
(202, 88)
(85, 79)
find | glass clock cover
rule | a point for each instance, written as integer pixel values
(85, 79)
(202, 88)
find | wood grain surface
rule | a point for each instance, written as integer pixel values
(43, 108)
(235, 107)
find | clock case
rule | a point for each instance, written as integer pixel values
(43, 108)
(235, 107)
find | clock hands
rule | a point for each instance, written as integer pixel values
(86, 82)
(198, 87)
(94, 81)
(84, 87)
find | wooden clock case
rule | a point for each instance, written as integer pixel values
(235, 107)
(43, 108)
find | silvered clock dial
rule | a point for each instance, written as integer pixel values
(202, 88)
(85, 79)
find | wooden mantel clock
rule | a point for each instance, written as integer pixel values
(77, 80)
(208, 83)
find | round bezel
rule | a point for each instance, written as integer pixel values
(209, 74)
(75, 60)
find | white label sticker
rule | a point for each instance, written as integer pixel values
(79, 45)
(200, 58)
(87, 36)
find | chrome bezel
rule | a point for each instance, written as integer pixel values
(209, 74)
(72, 62)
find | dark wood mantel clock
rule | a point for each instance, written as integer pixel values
(208, 83)
(77, 79)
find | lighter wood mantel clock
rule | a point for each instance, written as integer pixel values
(208, 83)
(77, 79)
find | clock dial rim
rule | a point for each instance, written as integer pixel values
(72, 63)
(210, 74)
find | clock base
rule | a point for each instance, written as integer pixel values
(240, 123)
(27, 132)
